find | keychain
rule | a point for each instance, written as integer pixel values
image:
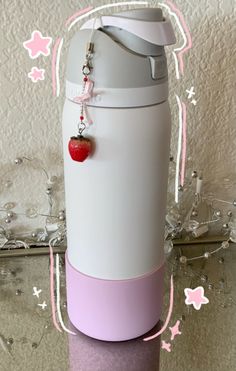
(80, 147)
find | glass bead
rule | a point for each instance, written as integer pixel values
(8, 183)
(204, 278)
(183, 260)
(18, 161)
(9, 205)
(207, 255)
(225, 244)
(31, 213)
(10, 341)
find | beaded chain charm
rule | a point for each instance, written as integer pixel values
(79, 146)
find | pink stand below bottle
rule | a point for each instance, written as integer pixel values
(114, 310)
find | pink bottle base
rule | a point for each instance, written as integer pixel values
(114, 310)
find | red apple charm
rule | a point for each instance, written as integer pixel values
(79, 148)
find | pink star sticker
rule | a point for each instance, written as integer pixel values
(175, 330)
(35, 74)
(195, 297)
(165, 346)
(37, 45)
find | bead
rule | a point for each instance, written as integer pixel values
(10, 341)
(207, 255)
(234, 202)
(61, 212)
(225, 225)
(171, 158)
(194, 174)
(18, 161)
(210, 286)
(9, 205)
(183, 260)
(180, 188)
(221, 260)
(61, 217)
(34, 234)
(229, 213)
(19, 292)
(81, 117)
(10, 214)
(8, 220)
(31, 212)
(49, 190)
(85, 78)
(8, 184)
(65, 304)
(52, 180)
(204, 278)
(225, 244)
(194, 213)
(218, 213)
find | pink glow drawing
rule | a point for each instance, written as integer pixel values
(184, 144)
(195, 297)
(52, 297)
(168, 315)
(36, 74)
(175, 330)
(37, 44)
(54, 55)
(75, 15)
(166, 346)
(187, 47)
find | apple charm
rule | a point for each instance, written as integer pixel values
(79, 148)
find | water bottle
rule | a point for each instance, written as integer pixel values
(116, 199)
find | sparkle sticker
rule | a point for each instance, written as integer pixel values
(166, 346)
(36, 291)
(175, 330)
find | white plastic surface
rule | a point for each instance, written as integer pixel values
(116, 200)
(158, 33)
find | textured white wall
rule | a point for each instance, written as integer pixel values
(31, 116)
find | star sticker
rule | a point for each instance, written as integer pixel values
(43, 305)
(35, 74)
(195, 297)
(37, 45)
(36, 292)
(175, 330)
(166, 346)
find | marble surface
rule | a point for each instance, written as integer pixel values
(29, 341)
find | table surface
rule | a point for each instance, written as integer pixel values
(29, 340)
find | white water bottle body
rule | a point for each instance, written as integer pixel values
(116, 200)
